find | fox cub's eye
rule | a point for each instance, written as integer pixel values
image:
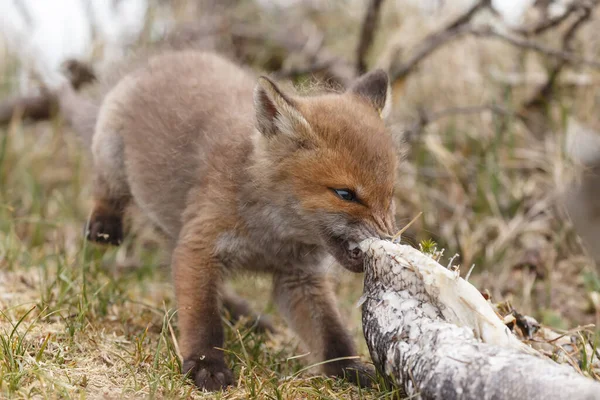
(346, 194)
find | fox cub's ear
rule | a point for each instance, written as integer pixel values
(275, 112)
(375, 88)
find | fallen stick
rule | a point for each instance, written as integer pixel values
(34, 107)
(434, 335)
(44, 105)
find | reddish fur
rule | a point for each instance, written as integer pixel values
(357, 154)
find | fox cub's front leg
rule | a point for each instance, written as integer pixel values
(198, 280)
(307, 301)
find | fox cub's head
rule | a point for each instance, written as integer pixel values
(330, 160)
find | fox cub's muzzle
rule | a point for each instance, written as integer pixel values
(345, 247)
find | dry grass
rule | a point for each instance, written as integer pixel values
(79, 321)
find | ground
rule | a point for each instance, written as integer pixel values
(82, 321)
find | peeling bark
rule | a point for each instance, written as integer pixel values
(420, 340)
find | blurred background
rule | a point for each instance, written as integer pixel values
(496, 106)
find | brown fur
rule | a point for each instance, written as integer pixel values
(242, 184)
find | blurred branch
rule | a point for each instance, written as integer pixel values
(435, 40)
(567, 56)
(549, 23)
(44, 106)
(460, 27)
(563, 57)
(545, 92)
(367, 34)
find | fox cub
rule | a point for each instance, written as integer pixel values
(239, 174)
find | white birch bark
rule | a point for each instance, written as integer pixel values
(436, 337)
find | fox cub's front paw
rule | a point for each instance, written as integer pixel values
(358, 373)
(210, 375)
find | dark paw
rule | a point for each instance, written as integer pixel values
(209, 375)
(105, 229)
(360, 374)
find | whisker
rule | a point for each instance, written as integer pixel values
(412, 221)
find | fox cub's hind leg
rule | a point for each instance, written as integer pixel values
(239, 308)
(105, 225)
(111, 190)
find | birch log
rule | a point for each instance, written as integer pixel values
(434, 335)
